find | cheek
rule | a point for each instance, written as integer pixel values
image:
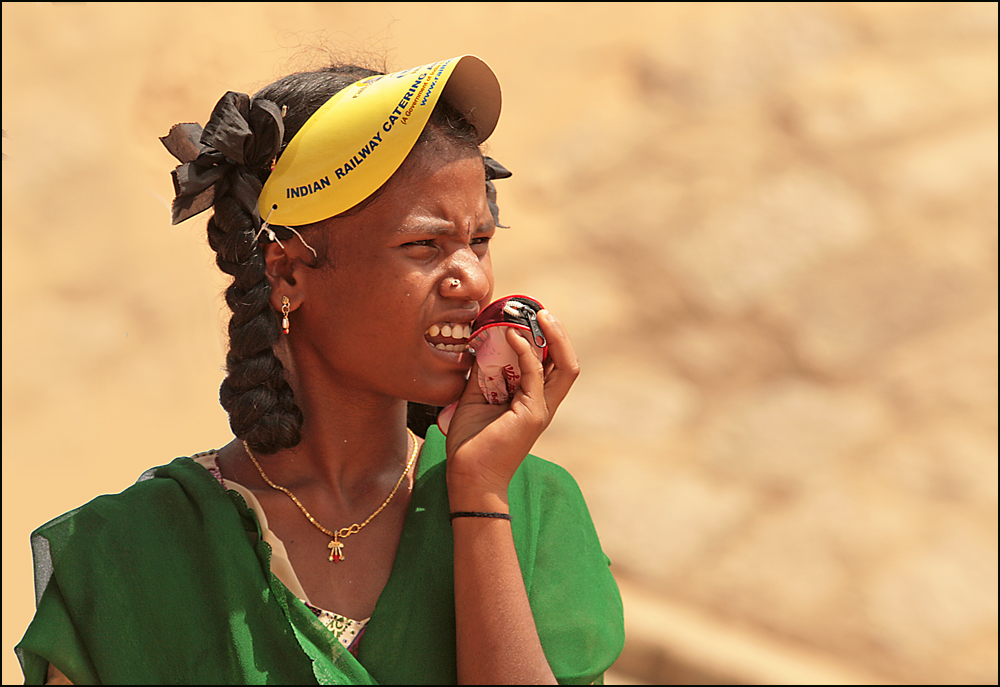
(362, 284)
(386, 310)
(488, 270)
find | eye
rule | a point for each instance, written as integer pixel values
(423, 248)
(480, 246)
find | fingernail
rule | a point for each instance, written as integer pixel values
(545, 314)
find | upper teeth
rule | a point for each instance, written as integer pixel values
(450, 331)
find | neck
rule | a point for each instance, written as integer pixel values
(351, 446)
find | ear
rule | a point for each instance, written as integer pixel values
(282, 269)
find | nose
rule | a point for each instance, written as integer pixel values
(469, 278)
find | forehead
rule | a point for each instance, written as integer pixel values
(432, 192)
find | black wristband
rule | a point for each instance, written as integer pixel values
(479, 514)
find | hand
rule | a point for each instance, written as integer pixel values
(486, 443)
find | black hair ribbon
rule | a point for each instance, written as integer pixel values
(240, 141)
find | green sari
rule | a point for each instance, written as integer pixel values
(169, 582)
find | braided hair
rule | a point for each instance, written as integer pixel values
(255, 393)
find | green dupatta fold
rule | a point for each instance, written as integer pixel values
(170, 582)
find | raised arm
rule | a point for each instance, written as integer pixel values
(497, 639)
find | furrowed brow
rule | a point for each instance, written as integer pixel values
(435, 228)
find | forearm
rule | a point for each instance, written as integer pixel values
(497, 639)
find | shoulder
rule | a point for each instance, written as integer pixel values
(165, 492)
(550, 511)
(539, 479)
(540, 468)
(534, 478)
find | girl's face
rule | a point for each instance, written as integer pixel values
(376, 319)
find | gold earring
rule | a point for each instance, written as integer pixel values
(285, 307)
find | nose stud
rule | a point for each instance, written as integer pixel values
(454, 283)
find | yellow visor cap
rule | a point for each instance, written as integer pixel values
(360, 137)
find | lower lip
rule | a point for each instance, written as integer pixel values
(462, 357)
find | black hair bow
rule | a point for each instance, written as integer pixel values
(494, 170)
(237, 147)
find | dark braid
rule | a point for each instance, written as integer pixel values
(256, 393)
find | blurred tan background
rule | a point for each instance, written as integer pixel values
(771, 229)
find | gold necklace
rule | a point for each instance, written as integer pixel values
(336, 546)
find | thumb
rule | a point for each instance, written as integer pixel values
(472, 393)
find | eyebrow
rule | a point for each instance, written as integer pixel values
(436, 228)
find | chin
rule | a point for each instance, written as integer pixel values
(442, 392)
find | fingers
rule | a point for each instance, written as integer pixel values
(511, 429)
(472, 393)
(532, 374)
(564, 367)
(548, 384)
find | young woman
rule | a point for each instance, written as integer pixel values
(329, 541)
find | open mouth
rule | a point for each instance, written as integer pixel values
(449, 336)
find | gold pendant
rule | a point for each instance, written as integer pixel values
(336, 550)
